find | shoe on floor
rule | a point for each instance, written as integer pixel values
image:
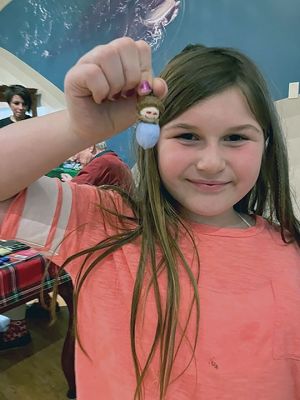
(36, 310)
(15, 343)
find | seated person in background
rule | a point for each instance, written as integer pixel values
(101, 167)
(19, 101)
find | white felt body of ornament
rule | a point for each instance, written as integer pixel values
(147, 134)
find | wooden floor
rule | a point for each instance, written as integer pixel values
(34, 372)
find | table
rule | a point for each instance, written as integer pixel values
(56, 172)
(22, 281)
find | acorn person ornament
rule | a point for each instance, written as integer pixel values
(149, 108)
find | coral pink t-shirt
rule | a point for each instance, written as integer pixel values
(249, 335)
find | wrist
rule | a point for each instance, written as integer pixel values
(77, 139)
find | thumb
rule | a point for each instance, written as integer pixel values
(160, 87)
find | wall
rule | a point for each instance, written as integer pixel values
(289, 112)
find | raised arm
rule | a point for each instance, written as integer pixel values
(101, 92)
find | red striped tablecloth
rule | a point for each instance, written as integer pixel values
(20, 280)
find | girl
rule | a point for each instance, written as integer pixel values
(190, 290)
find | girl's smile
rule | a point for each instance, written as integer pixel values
(210, 156)
(207, 186)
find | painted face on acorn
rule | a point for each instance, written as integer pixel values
(149, 114)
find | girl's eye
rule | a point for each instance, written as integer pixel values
(235, 137)
(187, 136)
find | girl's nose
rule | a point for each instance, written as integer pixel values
(211, 160)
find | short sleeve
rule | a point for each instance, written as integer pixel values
(60, 219)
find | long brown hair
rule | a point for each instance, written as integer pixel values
(198, 72)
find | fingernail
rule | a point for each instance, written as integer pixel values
(145, 88)
(130, 93)
(115, 96)
(127, 94)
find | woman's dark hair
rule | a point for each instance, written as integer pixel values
(18, 90)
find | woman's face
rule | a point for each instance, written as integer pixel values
(210, 156)
(84, 156)
(18, 107)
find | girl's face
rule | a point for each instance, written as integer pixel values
(18, 107)
(210, 156)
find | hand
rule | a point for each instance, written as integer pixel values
(95, 87)
(65, 177)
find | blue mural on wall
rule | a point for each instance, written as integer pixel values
(50, 35)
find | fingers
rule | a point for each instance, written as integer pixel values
(87, 80)
(136, 62)
(145, 64)
(122, 63)
(157, 85)
(117, 68)
(65, 177)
